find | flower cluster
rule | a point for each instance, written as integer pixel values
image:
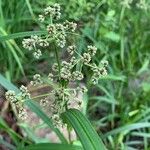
(18, 100)
(56, 32)
(53, 11)
(59, 31)
(36, 80)
(35, 43)
(63, 73)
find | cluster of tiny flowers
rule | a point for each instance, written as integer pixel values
(71, 49)
(52, 11)
(36, 80)
(63, 73)
(58, 31)
(98, 71)
(76, 75)
(18, 100)
(34, 43)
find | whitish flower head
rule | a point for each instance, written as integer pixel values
(55, 67)
(71, 49)
(51, 29)
(37, 54)
(86, 58)
(73, 60)
(92, 50)
(103, 71)
(36, 80)
(43, 102)
(24, 92)
(104, 63)
(11, 96)
(65, 73)
(53, 11)
(28, 43)
(22, 114)
(41, 18)
(50, 76)
(82, 89)
(76, 75)
(94, 80)
(66, 65)
(43, 43)
(61, 40)
(70, 26)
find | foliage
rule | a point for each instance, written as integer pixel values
(121, 33)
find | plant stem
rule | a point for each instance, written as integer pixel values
(58, 62)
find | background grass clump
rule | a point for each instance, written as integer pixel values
(119, 105)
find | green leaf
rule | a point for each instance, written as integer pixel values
(13, 135)
(21, 34)
(8, 85)
(128, 128)
(51, 146)
(35, 108)
(86, 133)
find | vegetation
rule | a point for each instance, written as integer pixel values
(118, 106)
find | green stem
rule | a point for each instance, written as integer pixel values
(58, 62)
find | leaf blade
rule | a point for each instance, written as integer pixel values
(89, 138)
(51, 146)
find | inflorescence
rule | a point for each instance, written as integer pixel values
(56, 32)
(63, 73)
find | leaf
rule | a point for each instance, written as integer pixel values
(87, 135)
(13, 135)
(51, 146)
(21, 34)
(12, 50)
(35, 108)
(8, 85)
(128, 128)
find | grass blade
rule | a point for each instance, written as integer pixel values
(51, 146)
(128, 128)
(89, 138)
(20, 35)
(8, 85)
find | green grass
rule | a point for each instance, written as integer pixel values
(119, 105)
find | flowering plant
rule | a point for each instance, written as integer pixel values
(63, 73)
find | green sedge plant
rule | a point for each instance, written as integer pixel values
(65, 71)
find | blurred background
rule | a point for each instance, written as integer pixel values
(119, 106)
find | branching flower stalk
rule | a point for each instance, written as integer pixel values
(63, 73)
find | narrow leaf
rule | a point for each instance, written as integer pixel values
(51, 146)
(21, 34)
(87, 135)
